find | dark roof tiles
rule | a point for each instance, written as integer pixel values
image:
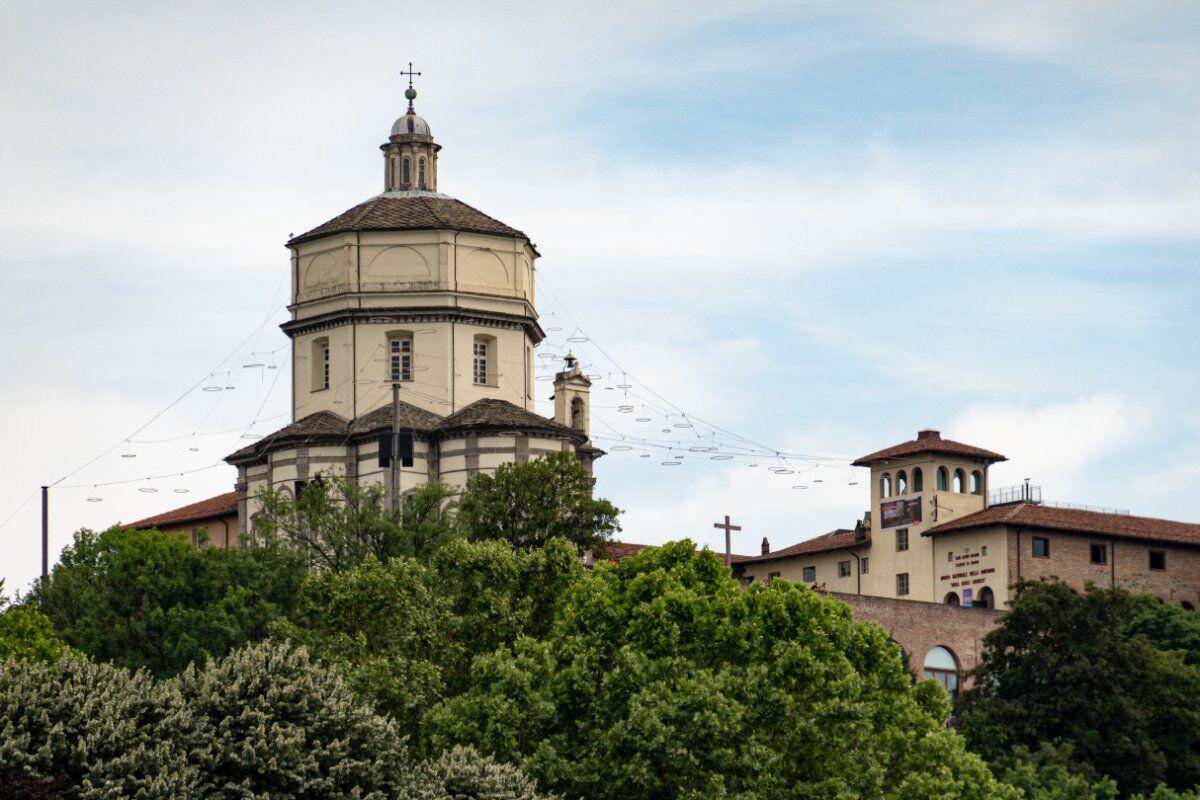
(411, 212)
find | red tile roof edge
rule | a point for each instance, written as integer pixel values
(219, 506)
(1076, 520)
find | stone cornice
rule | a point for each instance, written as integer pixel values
(403, 314)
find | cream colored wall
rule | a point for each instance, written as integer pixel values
(980, 558)
(426, 270)
(918, 561)
(792, 569)
(396, 268)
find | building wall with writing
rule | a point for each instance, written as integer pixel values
(971, 560)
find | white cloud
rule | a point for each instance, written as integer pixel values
(1058, 446)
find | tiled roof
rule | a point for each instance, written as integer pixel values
(219, 506)
(321, 425)
(929, 442)
(1033, 515)
(840, 539)
(411, 419)
(326, 426)
(492, 413)
(417, 211)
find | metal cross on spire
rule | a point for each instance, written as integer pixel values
(410, 92)
(410, 74)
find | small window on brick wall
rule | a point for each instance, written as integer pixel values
(1158, 559)
(1099, 553)
(1041, 547)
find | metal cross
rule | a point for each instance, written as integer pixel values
(728, 526)
(410, 74)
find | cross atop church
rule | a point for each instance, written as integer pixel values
(729, 527)
(410, 74)
(410, 92)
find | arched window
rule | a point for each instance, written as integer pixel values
(976, 482)
(320, 364)
(942, 666)
(400, 355)
(918, 480)
(959, 479)
(405, 173)
(985, 598)
(421, 174)
(951, 599)
(578, 414)
(943, 479)
(901, 482)
(482, 370)
(885, 485)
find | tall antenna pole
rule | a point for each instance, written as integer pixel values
(45, 531)
(395, 446)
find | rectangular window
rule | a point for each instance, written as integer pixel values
(902, 584)
(772, 576)
(843, 569)
(1158, 559)
(401, 359)
(901, 540)
(325, 366)
(950, 556)
(1099, 554)
(983, 550)
(810, 574)
(481, 362)
(866, 565)
(1041, 547)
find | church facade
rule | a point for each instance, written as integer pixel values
(415, 291)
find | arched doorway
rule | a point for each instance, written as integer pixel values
(985, 598)
(951, 599)
(942, 666)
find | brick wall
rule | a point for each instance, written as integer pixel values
(918, 626)
(1127, 564)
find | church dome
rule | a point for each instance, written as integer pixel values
(411, 123)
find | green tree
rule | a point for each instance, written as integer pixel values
(98, 731)
(24, 633)
(148, 599)
(462, 774)
(405, 632)
(529, 504)
(1067, 668)
(336, 522)
(660, 678)
(270, 723)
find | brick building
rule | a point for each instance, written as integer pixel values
(938, 547)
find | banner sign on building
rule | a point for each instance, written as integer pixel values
(898, 513)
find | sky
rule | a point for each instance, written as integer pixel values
(819, 226)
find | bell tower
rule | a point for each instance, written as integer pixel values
(410, 154)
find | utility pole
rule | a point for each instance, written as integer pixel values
(395, 447)
(45, 531)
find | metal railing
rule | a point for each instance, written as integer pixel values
(1021, 493)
